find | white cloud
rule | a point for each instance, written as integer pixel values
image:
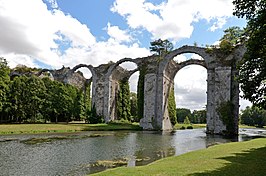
(29, 30)
(173, 19)
(117, 34)
(191, 87)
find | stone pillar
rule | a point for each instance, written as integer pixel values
(148, 122)
(219, 94)
(210, 101)
(164, 85)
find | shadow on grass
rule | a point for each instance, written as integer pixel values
(249, 163)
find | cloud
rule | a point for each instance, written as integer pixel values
(30, 30)
(173, 19)
(191, 87)
(117, 34)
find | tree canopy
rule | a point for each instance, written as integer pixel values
(252, 75)
(161, 47)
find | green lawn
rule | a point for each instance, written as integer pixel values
(48, 128)
(231, 159)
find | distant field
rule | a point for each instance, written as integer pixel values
(50, 128)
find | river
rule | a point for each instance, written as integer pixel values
(88, 152)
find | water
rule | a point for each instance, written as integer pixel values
(89, 152)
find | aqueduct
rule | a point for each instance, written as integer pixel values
(222, 87)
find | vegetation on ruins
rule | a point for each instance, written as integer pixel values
(172, 106)
(161, 47)
(140, 91)
(123, 101)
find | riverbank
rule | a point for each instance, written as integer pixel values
(236, 158)
(64, 127)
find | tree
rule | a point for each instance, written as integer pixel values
(161, 47)
(4, 82)
(199, 116)
(233, 35)
(253, 116)
(123, 101)
(186, 121)
(252, 75)
(172, 106)
(182, 113)
(134, 106)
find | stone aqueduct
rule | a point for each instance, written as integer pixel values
(222, 86)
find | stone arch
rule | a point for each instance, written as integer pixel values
(222, 88)
(166, 73)
(114, 75)
(46, 70)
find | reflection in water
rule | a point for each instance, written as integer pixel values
(89, 152)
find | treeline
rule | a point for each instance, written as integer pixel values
(253, 116)
(195, 117)
(32, 99)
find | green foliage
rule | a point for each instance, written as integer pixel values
(32, 99)
(140, 91)
(225, 111)
(4, 83)
(199, 116)
(172, 106)
(134, 107)
(123, 101)
(189, 127)
(93, 117)
(252, 69)
(232, 36)
(87, 97)
(186, 121)
(161, 47)
(182, 113)
(253, 116)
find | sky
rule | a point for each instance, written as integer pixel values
(53, 33)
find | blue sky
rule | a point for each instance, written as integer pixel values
(52, 33)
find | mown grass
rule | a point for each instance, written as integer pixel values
(238, 159)
(60, 128)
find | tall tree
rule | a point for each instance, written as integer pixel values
(161, 47)
(172, 106)
(4, 89)
(4, 82)
(252, 76)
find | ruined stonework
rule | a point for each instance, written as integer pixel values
(222, 86)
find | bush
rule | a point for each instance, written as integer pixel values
(182, 128)
(190, 127)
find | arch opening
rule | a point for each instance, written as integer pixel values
(123, 88)
(187, 98)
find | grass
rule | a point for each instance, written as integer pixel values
(238, 159)
(60, 128)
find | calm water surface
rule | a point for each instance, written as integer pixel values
(88, 152)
